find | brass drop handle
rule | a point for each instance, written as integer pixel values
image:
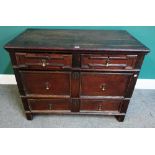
(107, 62)
(44, 62)
(47, 85)
(103, 87)
(50, 106)
(100, 107)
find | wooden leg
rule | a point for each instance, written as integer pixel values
(120, 118)
(123, 109)
(29, 116)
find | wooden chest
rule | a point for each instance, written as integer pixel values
(76, 71)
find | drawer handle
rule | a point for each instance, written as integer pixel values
(50, 106)
(107, 62)
(103, 87)
(47, 85)
(100, 107)
(44, 62)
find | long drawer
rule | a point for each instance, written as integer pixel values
(66, 105)
(45, 61)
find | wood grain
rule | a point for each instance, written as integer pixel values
(43, 39)
(76, 71)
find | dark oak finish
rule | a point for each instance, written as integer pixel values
(76, 71)
(93, 40)
(49, 104)
(104, 84)
(46, 83)
(43, 61)
(108, 61)
(100, 105)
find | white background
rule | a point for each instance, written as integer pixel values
(77, 13)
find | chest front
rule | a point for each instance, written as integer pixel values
(61, 79)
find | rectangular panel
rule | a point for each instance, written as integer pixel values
(104, 84)
(75, 84)
(100, 105)
(49, 104)
(46, 83)
(105, 61)
(43, 61)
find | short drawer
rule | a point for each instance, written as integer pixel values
(100, 105)
(46, 83)
(43, 61)
(49, 104)
(98, 61)
(104, 84)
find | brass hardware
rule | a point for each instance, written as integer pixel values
(44, 62)
(135, 75)
(47, 85)
(103, 87)
(50, 106)
(100, 107)
(107, 62)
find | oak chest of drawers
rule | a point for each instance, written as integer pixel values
(76, 71)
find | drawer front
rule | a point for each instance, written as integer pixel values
(49, 104)
(98, 61)
(46, 83)
(104, 84)
(43, 61)
(100, 105)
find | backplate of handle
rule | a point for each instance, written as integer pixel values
(47, 85)
(50, 106)
(103, 87)
(107, 62)
(100, 107)
(44, 63)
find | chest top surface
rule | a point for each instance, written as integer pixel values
(102, 40)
